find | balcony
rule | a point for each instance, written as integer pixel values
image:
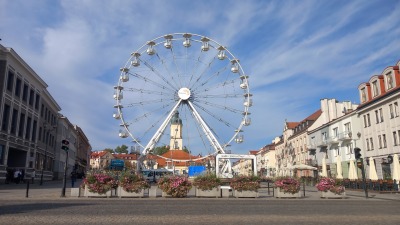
(311, 162)
(334, 140)
(345, 136)
(322, 143)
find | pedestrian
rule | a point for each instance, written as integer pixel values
(17, 176)
(73, 178)
(33, 175)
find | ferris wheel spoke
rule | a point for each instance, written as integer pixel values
(155, 71)
(220, 106)
(220, 96)
(178, 72)
(146, 79)
(153, 101)
(149, 113)
(199, 131)
(209, 79)
(167, 70)
(213, 115)
(204, 72)
(217, 86)
(141, 90)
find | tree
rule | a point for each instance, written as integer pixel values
(110, 150)
(121, 149)
(161, 150)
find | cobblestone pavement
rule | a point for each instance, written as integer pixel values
(45, 206)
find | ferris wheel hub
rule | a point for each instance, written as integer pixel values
(184, 93)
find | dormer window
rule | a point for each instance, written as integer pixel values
(389, 80)
(375, 88)
(363, 95)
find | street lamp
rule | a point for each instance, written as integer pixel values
(47, 133)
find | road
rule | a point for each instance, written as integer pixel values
(45, 206)
(198, 211)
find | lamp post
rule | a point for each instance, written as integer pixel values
(47, 133)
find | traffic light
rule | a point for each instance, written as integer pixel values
(357, 153)
(65, 145)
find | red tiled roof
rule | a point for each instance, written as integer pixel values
(253, 152)
(98, 154)
(126, 156)
(292, 125)
(314, 116)
(176, 155)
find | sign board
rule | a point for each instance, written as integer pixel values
(196, 170)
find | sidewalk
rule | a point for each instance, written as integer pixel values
(51, 190)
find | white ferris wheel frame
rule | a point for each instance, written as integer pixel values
(219, 149)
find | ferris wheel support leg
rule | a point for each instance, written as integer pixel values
(214, 142)
(160, 130)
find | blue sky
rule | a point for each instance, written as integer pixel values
(296, 52)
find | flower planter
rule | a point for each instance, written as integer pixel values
(245, 194)
(123, 193)
(164, 194)
(329, 194)
(213, 193)
(281, 194)
(93, 194)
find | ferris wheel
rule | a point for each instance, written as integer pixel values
(184, 91)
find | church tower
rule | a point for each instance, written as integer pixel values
(176, 132)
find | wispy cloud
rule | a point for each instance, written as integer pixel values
(294, 53)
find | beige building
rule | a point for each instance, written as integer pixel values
(266, 161)
(379, 115)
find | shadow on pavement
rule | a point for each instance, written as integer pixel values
(24, 208)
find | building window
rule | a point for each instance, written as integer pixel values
(34, 131)
(37, 101)
(347, 128)
(380, 141)
(384, 140)
(6, 117)
(372, 144)
(40, 134)
(10, 81)
(18, 87)
(375, 88)
(14, 120)
(389, 80)
(28, 128)
(335, 132)
(42, 111)
(368, 120)
(398, 134)
(391, 111)
(396, 109)
(31, 97)
(25, 93)
(376, 116)
(21, 125)
(381, 114)
(367, 141)
(2, 150)
(363, 95)
(394, 138)
(365, 120)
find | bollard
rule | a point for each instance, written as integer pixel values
(268, 187)
(304, 189)
(27, 190)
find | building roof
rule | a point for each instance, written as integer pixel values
(291, 125)
(126, 156)
(175, 155)
(98, 154)
(253, 152)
